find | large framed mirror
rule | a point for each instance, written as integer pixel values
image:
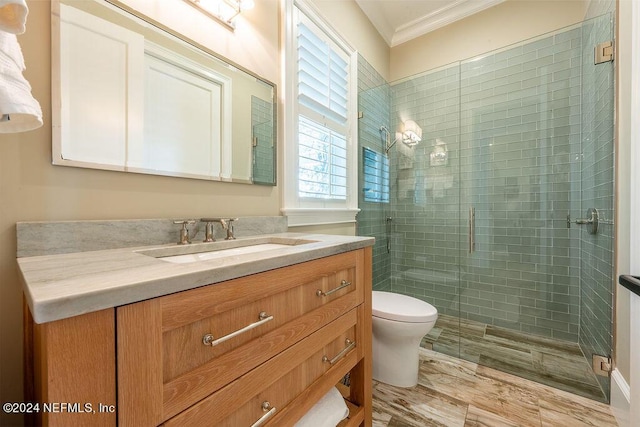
(131, 95)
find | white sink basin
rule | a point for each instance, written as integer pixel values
(222, 253)
(196, 252)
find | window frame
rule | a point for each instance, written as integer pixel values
(303, 211)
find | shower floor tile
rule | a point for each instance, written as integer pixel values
(552, 362)
(454, 392)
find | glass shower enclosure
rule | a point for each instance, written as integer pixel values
(490, 218)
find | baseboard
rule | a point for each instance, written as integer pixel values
(620, 399)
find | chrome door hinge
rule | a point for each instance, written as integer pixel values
(603, 52)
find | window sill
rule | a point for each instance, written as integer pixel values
(298, 217)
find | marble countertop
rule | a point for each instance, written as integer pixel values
(67, 285)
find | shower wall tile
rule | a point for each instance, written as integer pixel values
(374, 102)
(425, 244)
(512, 155)
(263, 134)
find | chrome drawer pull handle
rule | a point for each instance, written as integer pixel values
(343, 285)
(266, 406)
(349, 345)
(209, 340)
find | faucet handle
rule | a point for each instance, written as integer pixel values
(184, 233)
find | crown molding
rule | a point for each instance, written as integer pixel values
(440, 18)
(446, 15)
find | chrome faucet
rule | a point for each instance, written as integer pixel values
(226, 223)
(184, 233)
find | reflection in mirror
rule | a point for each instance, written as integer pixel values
(263, 131)
(130, 96)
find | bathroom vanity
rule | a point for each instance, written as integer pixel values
(136, 337)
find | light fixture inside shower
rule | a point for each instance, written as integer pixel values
(411, 135)
(223, 11)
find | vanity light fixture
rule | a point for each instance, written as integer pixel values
(223, 11)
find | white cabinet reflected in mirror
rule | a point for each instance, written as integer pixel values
(129, 96)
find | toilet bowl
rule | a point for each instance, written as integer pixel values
(399, 323)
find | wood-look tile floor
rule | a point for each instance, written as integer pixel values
(452, 392)
(556, 363)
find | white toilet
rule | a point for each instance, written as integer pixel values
(399, 323)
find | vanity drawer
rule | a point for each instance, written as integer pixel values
(269, 388)
(204, 324)
(175, 341)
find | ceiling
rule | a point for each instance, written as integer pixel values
(399, 21)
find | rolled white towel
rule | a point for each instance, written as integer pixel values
(10, 52)
(13, 16)
(19, 111)
(327, 412)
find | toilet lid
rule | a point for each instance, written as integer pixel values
(403, 308)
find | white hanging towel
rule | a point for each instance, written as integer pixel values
(13, 16)
(19, 111)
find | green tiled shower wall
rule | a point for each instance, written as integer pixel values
(520, 133)
(374, 101)
(528, 136)
(425, 199)
(264, 138)
(509, 120)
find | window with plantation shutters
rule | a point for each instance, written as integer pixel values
(323, 88)
(320, 161)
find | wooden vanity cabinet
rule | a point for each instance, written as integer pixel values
(265, 346)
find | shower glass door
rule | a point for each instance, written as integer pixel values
(536, 148)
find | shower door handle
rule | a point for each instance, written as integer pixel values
(591, 221)
(472, 229)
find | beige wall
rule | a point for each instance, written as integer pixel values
(494, 28)
(31, 189)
